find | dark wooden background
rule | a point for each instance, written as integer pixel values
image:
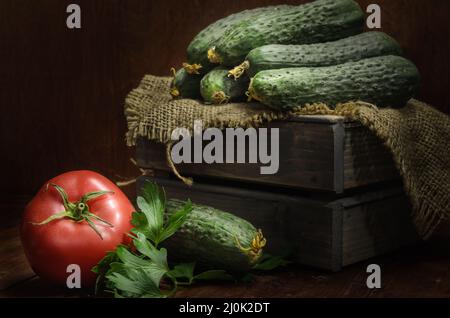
(62, 91)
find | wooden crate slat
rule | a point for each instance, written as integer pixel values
(319, 153)
(323, 232)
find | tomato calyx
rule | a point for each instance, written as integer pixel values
(77, 211)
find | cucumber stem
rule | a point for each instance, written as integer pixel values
(174, 92)
(239, 70)
(173, 71)
(192, 68)
(254, 251)
(251, 93)
(219, 98)
(213, 56)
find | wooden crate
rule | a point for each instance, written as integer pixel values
(320, 231)
(325, 153)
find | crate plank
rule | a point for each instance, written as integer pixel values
(306, 158)
(318, 231)
(376, 229)
(317, 153)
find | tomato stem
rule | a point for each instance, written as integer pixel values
(78, 211)
(99, 218)
(53, 217)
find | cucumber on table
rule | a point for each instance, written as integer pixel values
(215, 239)
(354, 48)
(315, 22)
(217, 87)
(197, 51)
(185, 85)
(383, 81)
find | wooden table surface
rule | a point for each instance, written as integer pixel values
(418, 271)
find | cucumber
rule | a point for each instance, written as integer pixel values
(185, 85)
(197, 51)
(315, 22)
(384, 81)
(214, 239)
(354, 48)
(217, 87)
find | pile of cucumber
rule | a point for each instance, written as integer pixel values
(288, 56)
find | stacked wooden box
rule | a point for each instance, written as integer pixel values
(336, 200)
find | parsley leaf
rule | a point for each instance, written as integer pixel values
(152, 204)
(175, 221)
(150, 219)
(183, 271)
(214, 275)
(159, 257)
(102, 268)
(135, 282)
(139, 221)
(135, 276)
(144, 270)
(269, 262)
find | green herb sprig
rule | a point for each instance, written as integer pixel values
(143, 271)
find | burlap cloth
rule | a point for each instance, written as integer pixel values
(417, 135)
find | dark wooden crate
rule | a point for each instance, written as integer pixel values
(325, 153)
(321, 232)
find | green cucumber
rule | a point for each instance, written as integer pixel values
(197, 51)
(214, 239)
(185, 85)
(315, 22)
(354, 48)
(217, 87)
(383, 81)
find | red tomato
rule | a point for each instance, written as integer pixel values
(90, 227)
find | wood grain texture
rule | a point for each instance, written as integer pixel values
(14, 267)
(305, 153)
(366, 160)
(327, 155)
(13, 263)
(63, 90)
(326, 233)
